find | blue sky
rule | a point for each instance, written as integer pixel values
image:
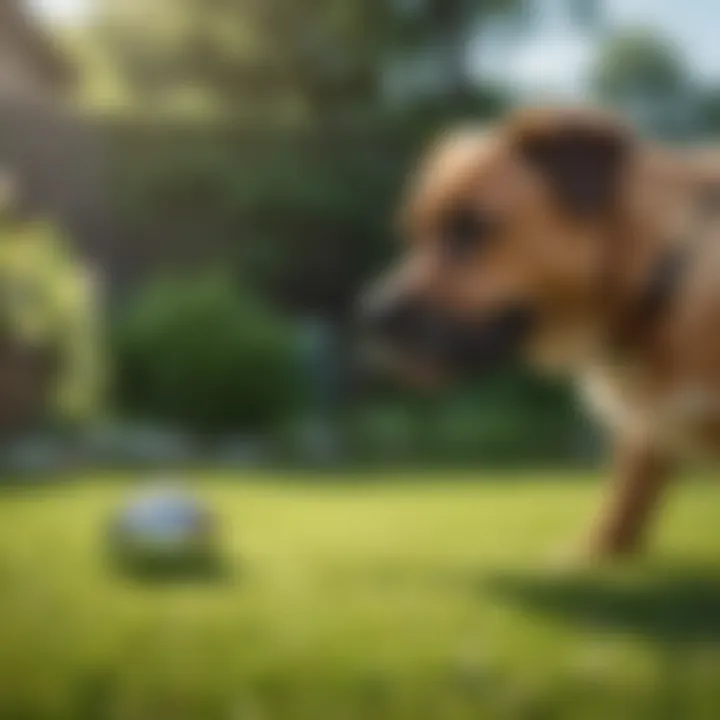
(555, 57)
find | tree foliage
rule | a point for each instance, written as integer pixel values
(290, 57)
(639, 64)
(49, 309)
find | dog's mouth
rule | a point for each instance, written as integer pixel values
(427, 346)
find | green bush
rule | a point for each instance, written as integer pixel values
(201, 353)
(510, 417)
(50, 303)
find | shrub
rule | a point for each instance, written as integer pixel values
(49, 310)
(201, 353)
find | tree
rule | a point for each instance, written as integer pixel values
(587, 14)
(292, 56)
(249, 55)
(710, 110)
(647, 78)
(304, 211)
(49, 335)
(639, 63)
(445, 29)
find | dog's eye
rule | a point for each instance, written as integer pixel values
(464, 230)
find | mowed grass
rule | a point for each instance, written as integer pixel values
(381, 597)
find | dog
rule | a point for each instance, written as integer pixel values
(562, 238)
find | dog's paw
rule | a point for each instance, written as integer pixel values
(588, 555)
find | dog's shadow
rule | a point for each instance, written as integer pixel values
(668, 605)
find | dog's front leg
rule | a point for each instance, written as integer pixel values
(641, 472)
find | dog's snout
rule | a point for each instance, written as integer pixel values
(386, 316)
(406, 325)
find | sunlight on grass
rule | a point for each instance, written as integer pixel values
(364, 599)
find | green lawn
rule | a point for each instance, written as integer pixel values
(392, 598)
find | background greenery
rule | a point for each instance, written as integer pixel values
(272, 139)
(302, 219)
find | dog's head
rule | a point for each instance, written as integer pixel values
(506, 235)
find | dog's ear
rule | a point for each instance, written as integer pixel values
(581, 156)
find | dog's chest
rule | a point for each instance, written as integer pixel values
(685, 418)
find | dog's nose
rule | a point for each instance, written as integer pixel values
(386, 316)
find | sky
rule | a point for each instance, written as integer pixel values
(555, 57)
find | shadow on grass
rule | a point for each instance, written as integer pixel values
(164, 570)
(665, 605)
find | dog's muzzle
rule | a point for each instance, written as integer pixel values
(415, 332)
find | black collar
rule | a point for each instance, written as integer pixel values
(654, 300)
(661, 286)
(657, 295)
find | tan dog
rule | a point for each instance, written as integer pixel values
(560, 237)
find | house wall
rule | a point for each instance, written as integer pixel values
(54, 156)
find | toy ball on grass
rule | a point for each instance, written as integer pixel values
(165, 530)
